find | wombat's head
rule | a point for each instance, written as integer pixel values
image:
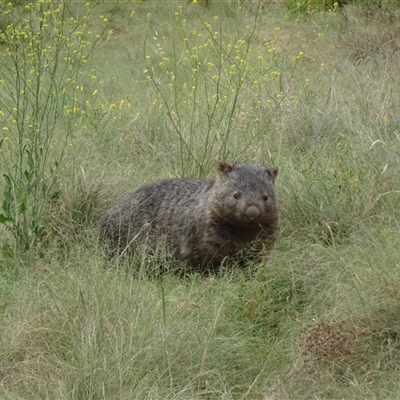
(245, 196)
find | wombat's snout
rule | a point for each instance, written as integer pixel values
(252, 213)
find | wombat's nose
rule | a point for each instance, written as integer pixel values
(252, 213)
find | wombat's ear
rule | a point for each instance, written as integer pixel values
(273, 173)
(224, 168)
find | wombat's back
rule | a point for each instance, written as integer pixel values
(164, 207)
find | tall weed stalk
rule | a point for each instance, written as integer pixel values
(211, 86)
(44, 51)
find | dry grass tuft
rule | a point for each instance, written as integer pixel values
(330, 341)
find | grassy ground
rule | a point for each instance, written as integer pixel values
(176, 87)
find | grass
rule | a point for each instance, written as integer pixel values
(319, 318)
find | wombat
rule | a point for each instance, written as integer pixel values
(204, 221)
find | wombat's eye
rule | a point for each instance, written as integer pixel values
(236, 195)
(265, 197)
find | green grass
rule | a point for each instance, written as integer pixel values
(316, 94)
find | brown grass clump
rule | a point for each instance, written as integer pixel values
(330, 341)
(372, 35)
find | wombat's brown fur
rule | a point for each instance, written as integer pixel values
(204, 221)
